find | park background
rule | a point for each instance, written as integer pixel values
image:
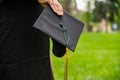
(97, 55)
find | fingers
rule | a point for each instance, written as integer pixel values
(53, 5)
(60, 9)
(56, 6)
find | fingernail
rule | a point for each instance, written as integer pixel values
(61, 13)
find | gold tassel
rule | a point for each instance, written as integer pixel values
(66, 65)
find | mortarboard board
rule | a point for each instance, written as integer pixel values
(64, 29)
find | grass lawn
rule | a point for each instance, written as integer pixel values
(97, 57)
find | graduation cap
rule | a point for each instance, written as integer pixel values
(64, 29)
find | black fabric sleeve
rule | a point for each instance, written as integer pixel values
(1, 1)
(58, 49)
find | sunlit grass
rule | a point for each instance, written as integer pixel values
(97, 57)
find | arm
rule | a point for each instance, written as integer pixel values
(55, 5)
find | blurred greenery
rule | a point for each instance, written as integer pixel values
(109, 10)
(97, 57)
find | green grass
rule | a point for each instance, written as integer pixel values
(97, 57)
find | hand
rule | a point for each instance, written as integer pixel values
(54, 4)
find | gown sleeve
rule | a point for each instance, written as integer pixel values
(58, 49)
(1, 1)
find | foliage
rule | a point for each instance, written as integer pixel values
(69, 6)
(88, 15)
(106, 9)
(97, 57)
(117, 16)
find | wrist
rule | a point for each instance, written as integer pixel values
(43, 2)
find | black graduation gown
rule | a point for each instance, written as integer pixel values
(24, 50)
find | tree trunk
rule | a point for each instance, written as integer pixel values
(68, 6)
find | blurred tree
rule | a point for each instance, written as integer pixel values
(117, 16)
(107, 10)
(99, 11)
(70, 6)
(87, 17)
(114, 7)
(67, 5)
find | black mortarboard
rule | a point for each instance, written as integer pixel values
(64, 29)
